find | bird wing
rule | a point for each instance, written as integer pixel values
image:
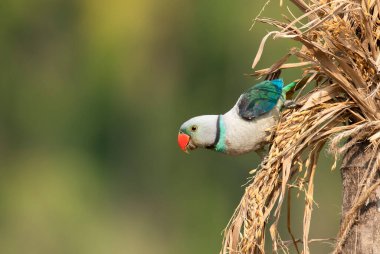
(260, 99)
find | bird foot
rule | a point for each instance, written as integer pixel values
(262, 153)
(289, 104)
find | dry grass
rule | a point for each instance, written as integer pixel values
(341, 62)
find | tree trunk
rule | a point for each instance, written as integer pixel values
(364, 236)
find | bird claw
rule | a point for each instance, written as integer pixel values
(289, 104)
(262, 153)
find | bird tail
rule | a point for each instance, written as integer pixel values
(273, 75)
(290, 86)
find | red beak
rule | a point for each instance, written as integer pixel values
(183, 141)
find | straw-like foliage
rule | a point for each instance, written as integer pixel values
(341, 62)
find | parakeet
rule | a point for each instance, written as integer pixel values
(243, 128)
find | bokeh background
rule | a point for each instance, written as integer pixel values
(91, 97)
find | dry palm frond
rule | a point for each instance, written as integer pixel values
(341, 60)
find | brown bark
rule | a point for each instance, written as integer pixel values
(364, 236)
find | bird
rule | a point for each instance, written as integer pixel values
(242, 129)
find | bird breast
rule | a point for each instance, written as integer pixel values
(243, 136)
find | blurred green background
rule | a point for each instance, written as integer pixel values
(92, 96)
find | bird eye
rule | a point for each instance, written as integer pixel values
(193, 128)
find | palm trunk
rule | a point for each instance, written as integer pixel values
(364, 235)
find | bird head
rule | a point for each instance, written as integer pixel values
(197, 132)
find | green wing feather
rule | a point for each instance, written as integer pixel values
(260, 99)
